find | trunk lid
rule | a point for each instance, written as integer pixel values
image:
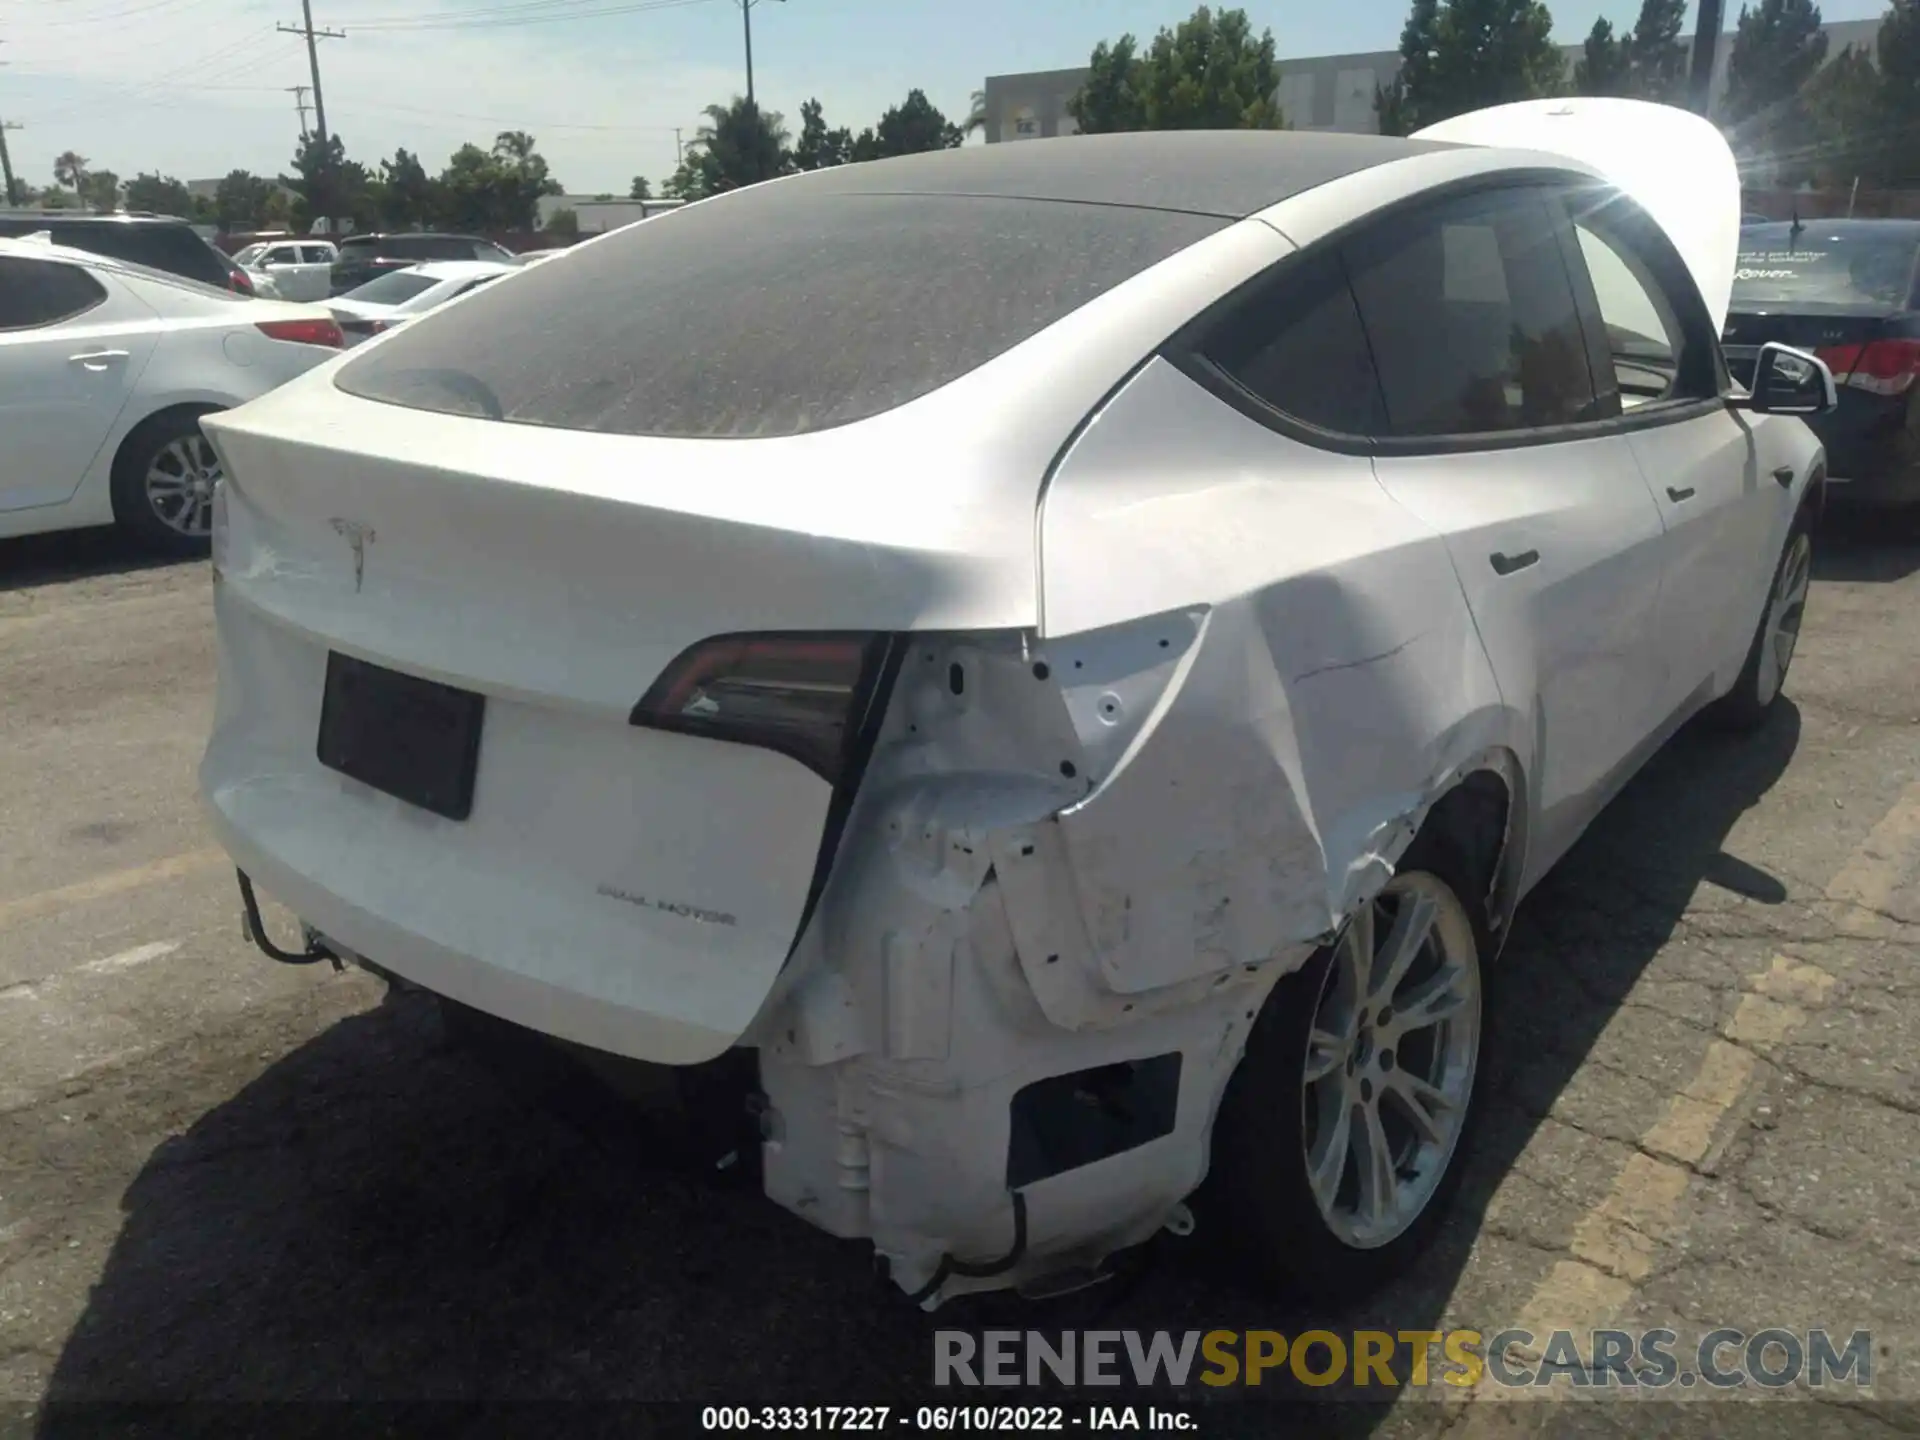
(627, 887)
(1674, 164)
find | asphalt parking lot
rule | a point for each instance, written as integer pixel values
(221, 1179)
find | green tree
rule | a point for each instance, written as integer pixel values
(740, 144)
(642, 188)
(1777, 48)
(1603, 66)
(330, 186)
(70, 170)
(159, 194)
(1207, 73)
(100, 191)
(407, 197)
(913, 127)
(524, 180)
(1895, 128)
(1657, 61)
(818, 147)
(1461, 55)
(54, 198)
(240, 201)
(976, 113)
(497, 189)
(1846, 126)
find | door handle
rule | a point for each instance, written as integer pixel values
(1785, 476)
(1677, 493)
(98, 359)
(1504, 564)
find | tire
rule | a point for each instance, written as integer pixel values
(163, 481)
(1764, 676)
(1260, 1192)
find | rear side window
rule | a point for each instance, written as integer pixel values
(427, 247)
(1297, 346)
(34, 293)
(172, 248)
(394, 288)
(1471, 318)
(775, 311)
(1855, 267)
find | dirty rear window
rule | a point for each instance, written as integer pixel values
(774, 312)
(1853, 268)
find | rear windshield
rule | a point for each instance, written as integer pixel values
(1852, 267)
(393, 288)
(768, 313)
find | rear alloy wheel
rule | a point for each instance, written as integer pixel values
(163, 482)
(1339, 1141)
(1764, 675)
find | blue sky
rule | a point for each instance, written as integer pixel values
(195, 88)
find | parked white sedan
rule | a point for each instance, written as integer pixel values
(1060, 659)
(105, 372)
(393, 299)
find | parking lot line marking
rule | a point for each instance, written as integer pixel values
(128, 959)
(1614, 1244)
(47, 902)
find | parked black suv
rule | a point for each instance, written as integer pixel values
(159, 242)
(362, 257)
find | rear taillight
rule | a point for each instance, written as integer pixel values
(1839, 358)
(304, 332)
(804, 695)
(1884, 367)
(240, 282)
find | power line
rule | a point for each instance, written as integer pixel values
(479, 21)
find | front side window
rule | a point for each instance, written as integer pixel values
(1471, 319)
(1296, 345)
(35, 293)
(1642, 336)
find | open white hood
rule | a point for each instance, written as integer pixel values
(1676, 166)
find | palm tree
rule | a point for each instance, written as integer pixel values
(976, 113)
(70, 169)
(739, 145)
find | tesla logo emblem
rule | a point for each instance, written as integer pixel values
(359, 537)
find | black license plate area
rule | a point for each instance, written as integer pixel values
(416, 740)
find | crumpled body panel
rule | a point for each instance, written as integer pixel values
(1105, 842)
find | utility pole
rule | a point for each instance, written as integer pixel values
(746, 21)
(1706, 41)
(313, 61)
(6, 160)
(299, 93)
(679, 150)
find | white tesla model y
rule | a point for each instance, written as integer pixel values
(1063, 656)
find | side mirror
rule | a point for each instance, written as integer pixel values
(1788, 382)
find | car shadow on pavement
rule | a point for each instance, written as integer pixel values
(379, 1217)
(1870, 546)
(37, 560)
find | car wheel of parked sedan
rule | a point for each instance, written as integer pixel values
(163, 481)
(1339, 1143)
(1764, 675)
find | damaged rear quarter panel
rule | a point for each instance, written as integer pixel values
(1333, 686)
